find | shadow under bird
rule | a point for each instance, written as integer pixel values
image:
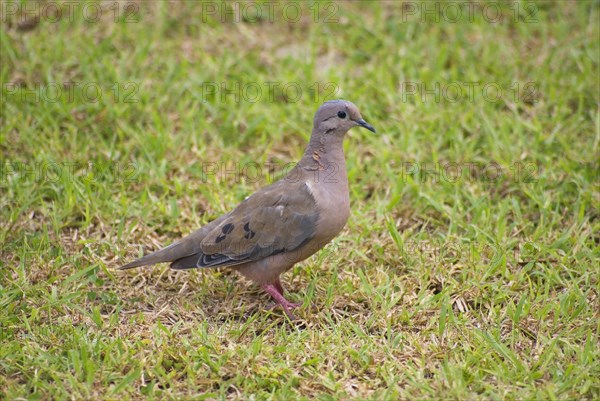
(283, 223)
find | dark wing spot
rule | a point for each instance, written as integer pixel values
(249, 233)
(220, 238)
(227, 228)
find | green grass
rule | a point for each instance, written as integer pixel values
(479, 287)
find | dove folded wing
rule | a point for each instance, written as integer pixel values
(270, 222)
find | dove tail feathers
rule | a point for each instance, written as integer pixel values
(178, 250)
(144, 261)
(171, 253)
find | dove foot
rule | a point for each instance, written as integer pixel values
(274, 291)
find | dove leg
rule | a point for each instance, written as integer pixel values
(273, 291)
(278, 286)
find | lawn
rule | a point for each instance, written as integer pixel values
(468, 269)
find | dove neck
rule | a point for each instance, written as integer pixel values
(323, 150)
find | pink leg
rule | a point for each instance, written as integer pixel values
(278, 286)
(272, 290)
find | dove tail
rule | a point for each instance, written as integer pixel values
(150, 259)
(137, 263)
(178, 250)
(172, 252)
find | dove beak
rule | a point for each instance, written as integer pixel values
(366, 125)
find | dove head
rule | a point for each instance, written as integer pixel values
(337, 117)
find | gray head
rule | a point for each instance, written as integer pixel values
(337, 117)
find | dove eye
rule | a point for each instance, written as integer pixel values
(341, 114)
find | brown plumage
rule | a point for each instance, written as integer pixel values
(283, 223)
